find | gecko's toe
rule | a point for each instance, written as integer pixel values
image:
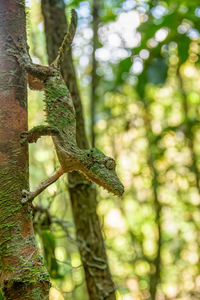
(23, 137)
(25, 193)
(25, 196)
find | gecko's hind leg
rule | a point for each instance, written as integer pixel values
(29, 196)
(36, 132)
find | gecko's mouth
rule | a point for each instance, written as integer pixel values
(116, 188)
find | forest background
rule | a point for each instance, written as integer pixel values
(140, 93)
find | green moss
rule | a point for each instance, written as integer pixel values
(12, 242)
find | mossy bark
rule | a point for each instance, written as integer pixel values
(22, 275)
(82, 192)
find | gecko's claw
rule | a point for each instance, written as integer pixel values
(11, 51)
(25, 196)
(25, 193)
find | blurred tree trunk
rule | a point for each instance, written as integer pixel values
(82, 192)
(95, 15)
(155, 275)
(190, 137)
(189, 131)
(155, 264)
(22, 275)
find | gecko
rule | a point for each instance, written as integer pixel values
(61, 123)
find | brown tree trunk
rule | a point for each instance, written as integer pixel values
(22, 275)
(82, 192)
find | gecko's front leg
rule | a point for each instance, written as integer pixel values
(36, 132)
(20, 51)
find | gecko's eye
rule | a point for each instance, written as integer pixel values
(110, 164)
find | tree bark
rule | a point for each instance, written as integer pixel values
(22, 274)
(82, 192)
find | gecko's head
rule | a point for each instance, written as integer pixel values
(100, 169)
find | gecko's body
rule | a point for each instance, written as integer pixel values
(61, 119)
(60, 113)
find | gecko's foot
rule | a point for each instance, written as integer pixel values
(25, 196)
(11, 51)
(29, 137)
(20, 46)
(23, 137)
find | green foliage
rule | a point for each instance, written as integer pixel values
(122, 69)
(183, 49)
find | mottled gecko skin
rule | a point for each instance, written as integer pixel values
(61, 119)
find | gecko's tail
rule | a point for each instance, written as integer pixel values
(67, 41)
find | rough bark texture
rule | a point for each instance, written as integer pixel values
(22, 275)
(82, 193)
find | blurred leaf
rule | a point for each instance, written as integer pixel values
(122, 68)
(183, 48)
(1, 296)
(109, 16)
(74, 3)
(157, 71)
(142, 81)
(49, 247)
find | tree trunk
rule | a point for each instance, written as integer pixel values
(82, 192)
(190, 140)
(22, 275)
(155, 276)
